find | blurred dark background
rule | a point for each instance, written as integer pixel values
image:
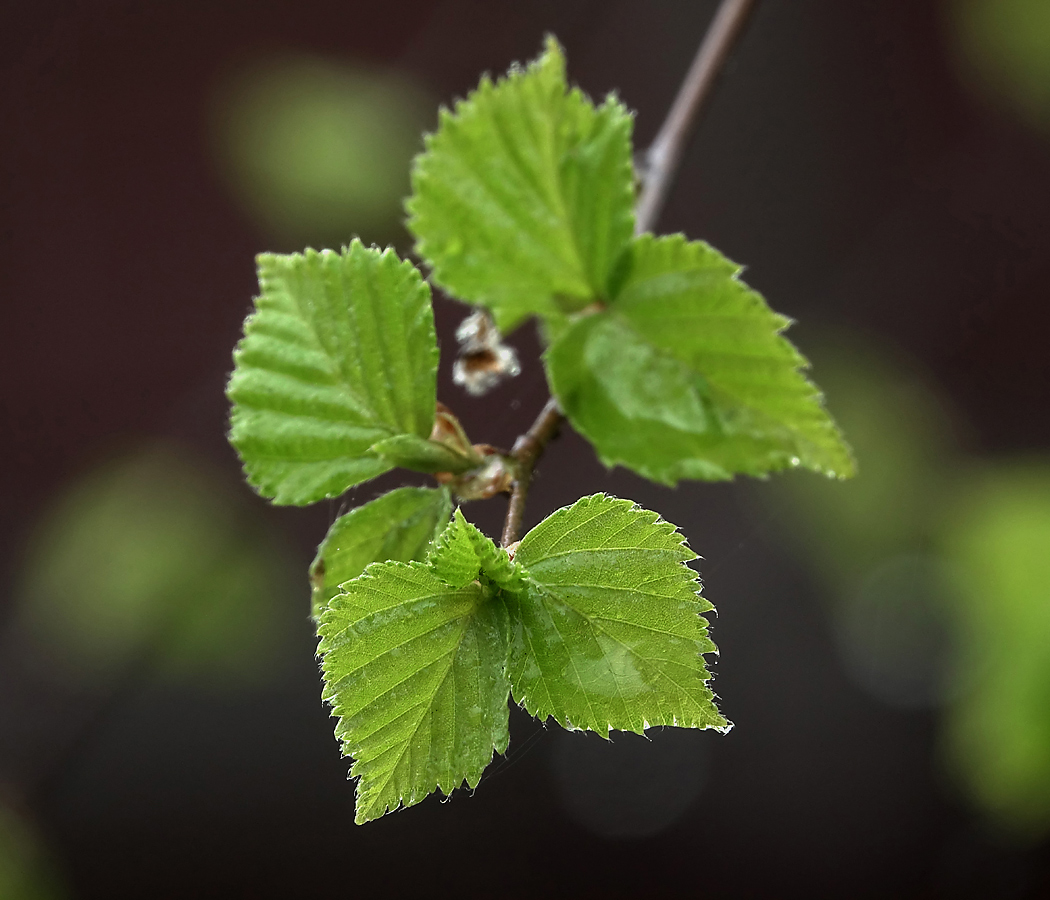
(883, 170)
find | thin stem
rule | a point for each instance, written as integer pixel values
(662, 161)
(665, 153)
(527, 449)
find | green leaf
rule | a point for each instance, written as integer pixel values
(452, 557)
(685, 374)
(523, 200)
(399, 525)
(420, 455)
(339, 354)
(496, 565)
(608, 631)
(463, 553)
(415, 671)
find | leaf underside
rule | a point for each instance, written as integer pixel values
(339, 354)
(685, 374)
(523, 199)
(399, 525)
(412, 452)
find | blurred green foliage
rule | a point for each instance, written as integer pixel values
(998, 535)
(147, 560)
(1003, 48)
(316, 150)
(25, 869)
(939, 575)
(902, 437)
(869, 538)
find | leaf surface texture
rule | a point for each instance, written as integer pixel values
(523, 199)
(399, 525)
(339, 355)
(686, 374)
(414, 669)
(608, 632)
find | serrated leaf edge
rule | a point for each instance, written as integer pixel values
(368, 812)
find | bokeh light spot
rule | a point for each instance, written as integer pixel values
(1003, 52)
(630, 786)
(26, 870)
(998, 729)
(896, 633)
(902, 434)
(318, 151)
(148, 560)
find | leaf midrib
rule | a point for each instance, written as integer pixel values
(428, 708)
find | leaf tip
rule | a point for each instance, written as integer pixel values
(552, 50)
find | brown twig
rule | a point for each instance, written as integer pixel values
(665, 153)
(662, 161)
(527, 449)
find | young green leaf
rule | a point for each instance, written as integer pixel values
(523, 200)
(608, 632)
(339, 354)
(685, 374)
(414, 668)
(462, 553)
(452, 556)
(399, 525)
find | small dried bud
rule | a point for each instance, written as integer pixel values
(317, 575)
(450, 433)
(484, 360)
